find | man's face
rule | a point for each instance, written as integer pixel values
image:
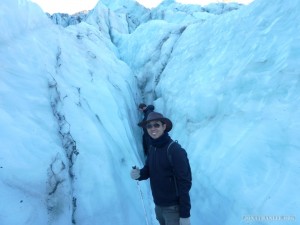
(142, 109)
(155, 129)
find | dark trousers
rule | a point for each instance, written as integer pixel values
(167, 215)
(146, 143)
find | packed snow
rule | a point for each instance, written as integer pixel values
(227, 75)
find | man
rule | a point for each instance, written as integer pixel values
(169, 171)
(145, 110)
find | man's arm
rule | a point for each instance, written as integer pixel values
(183, 175)
(144, 172)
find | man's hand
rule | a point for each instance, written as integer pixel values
(184, 221)
(135, 173)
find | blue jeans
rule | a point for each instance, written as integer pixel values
(168, 215)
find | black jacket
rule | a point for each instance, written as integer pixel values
(170, 181)
(149, 109)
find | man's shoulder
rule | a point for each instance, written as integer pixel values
(175, 148)
(176, 145)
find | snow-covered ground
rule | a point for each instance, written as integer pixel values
(230, 82)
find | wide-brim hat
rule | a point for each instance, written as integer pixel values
(157, 116)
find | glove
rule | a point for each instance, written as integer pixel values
(135, 173)
(185, 221)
